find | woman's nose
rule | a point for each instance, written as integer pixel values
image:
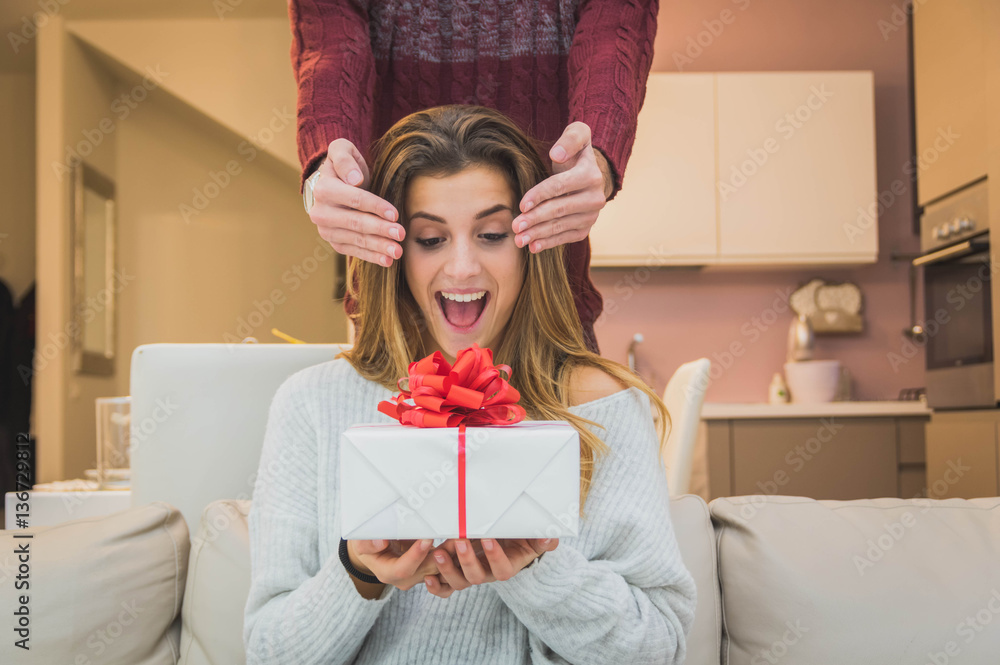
(462, 261)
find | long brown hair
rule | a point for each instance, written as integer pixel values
(543, 341)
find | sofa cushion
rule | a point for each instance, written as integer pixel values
(218, 584)
(696, 540)
(100, 589)
(868, 581)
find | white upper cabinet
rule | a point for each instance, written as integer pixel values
(773, 168)
(665, 212)
(796, 180)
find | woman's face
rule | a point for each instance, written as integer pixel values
(460, 260)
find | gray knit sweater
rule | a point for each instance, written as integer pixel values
(617, 593)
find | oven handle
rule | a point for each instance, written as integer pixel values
(949, 253)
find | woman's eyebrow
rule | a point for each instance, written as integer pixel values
(485, 213)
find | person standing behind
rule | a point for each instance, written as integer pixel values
(571, 73)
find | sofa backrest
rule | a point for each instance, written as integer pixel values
(198, 418)
(883, 580)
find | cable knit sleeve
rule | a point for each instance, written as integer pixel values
(335, 72)
(609, 63)
(619, 592)
(299, 609)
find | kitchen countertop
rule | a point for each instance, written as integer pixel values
(859, 409)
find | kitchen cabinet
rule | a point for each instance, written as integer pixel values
(963, 454)
(796, 157)
(774, 168)
(949, 87)
(666, 210)
(821, 456)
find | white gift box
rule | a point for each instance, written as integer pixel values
(517, 481)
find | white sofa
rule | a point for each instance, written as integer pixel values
(780, 579)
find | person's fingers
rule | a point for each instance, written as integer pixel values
(557, 232)
(414, 556)
(331, 194)
(368, 546)
(341, 158)
(360, 159)
(472, 567)
(448, 572)
(587, 201)
(500, 564)
(436, 587)
(574, 138)
(560, 184)
(542, 545)
(351, 249)
(372, 243)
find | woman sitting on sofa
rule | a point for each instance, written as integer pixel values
(618, 592)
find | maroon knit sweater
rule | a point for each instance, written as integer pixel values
(362, 65)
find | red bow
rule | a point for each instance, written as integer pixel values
(472, 392)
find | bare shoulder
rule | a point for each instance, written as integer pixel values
(589, 383)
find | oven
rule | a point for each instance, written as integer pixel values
(958, 316)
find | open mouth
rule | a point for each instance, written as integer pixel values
(462, 311)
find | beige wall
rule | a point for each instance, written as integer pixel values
(17, 182)
(73, 99)
(249, 261)
(239, 259)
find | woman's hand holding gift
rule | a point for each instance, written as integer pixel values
(401, 563)
(503, 559)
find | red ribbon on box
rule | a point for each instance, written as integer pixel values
(470, 392)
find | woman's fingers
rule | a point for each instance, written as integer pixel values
(368, 546)
(408, 563)
(472, 567)
(449, 572)
(500, 564)
(436, 587)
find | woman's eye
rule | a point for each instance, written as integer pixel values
(428, 242)
(494, 237)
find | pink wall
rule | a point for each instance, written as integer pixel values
(686, 315)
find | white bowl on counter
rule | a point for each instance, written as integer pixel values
(812, 381)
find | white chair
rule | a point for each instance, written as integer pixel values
(684, 396)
